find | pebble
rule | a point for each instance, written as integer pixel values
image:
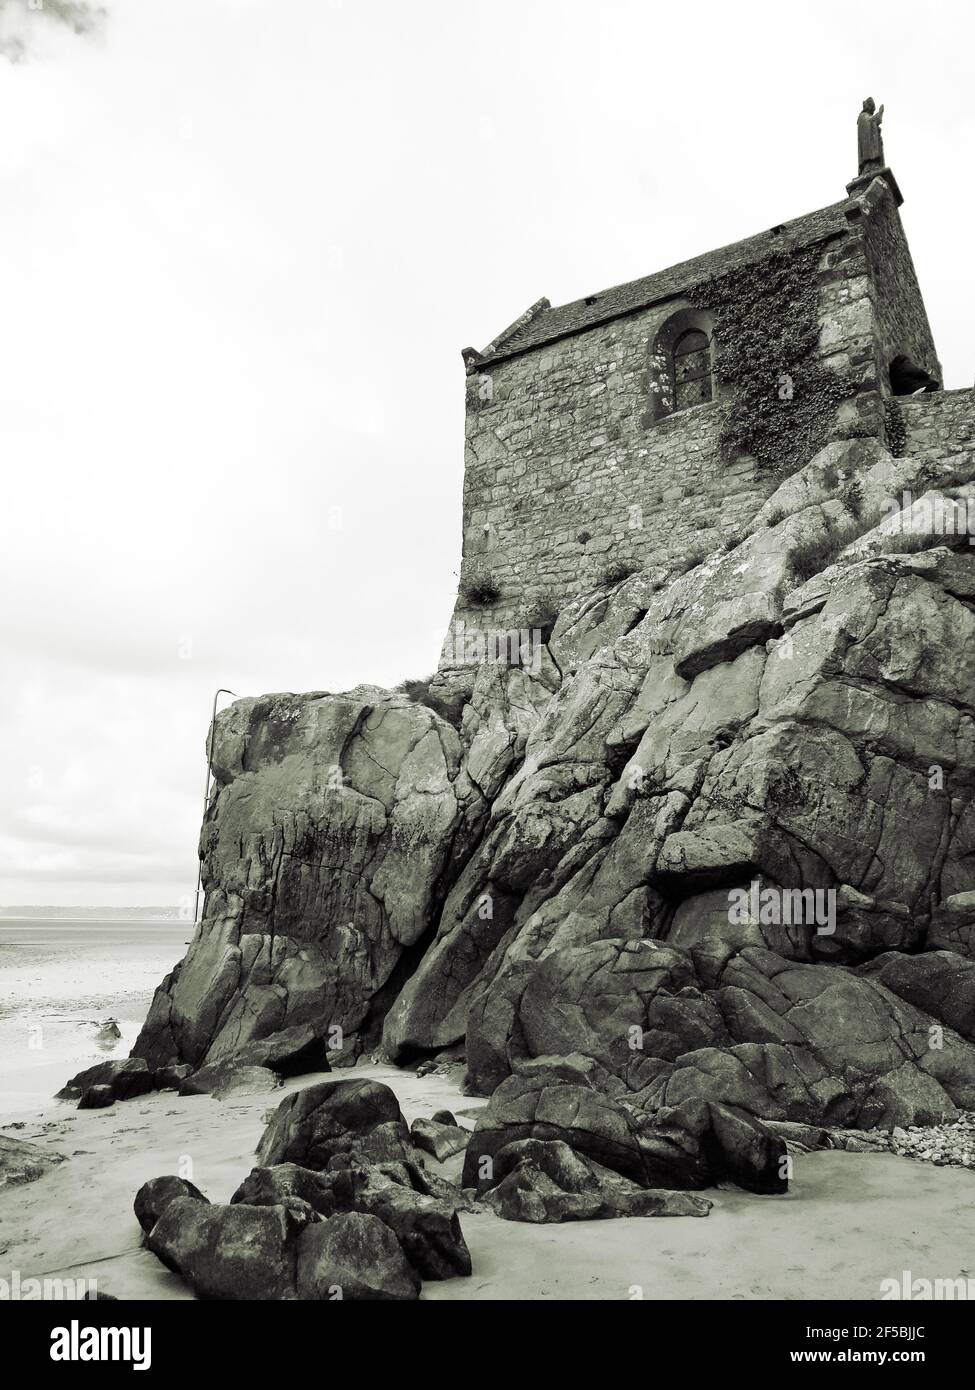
(948, 1145)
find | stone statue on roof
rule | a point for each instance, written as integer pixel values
(870, 145)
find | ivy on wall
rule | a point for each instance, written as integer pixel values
(783, 401)
(895, 428)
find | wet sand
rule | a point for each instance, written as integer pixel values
(850, 1220)
(59, 982)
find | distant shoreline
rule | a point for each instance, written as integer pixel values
(92, 912)
(94, 922)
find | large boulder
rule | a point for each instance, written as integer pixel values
(259, 1065)
(338, 816)
(96, 1098)
(229, 1252)
(686, 1146)
(352, 1118)
(229, 1078)
(940, 984)
(354, 1256)
(154, 1196)
(441, 1141)
(545, 1181)
(288, 1052)
(738, 605)
(427, 1228)
(125, 1077)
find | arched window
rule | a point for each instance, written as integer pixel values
(691, 369)
(682, 362)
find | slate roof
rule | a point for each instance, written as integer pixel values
(543, 323)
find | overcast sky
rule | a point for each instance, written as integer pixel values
(242, 245)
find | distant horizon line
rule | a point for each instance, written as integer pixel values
(168, 910)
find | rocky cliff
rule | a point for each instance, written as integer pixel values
(546, 861)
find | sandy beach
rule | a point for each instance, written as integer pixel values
(849, 1221)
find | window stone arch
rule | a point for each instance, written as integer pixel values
(683, 362)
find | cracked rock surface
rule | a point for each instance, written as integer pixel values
(551, 873)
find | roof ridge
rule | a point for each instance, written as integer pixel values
(578, 315)
(780, 229)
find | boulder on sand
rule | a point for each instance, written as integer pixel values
(229, 1252)
(352, 1118)
(126, 1077)
(355, 863)
(171, 1077)
(692, 1145)
(288, 1052)
(260, 1065)
(289, 1232)
(535, 1175)
(426, 1227)
(154, 1196)
(442, 1141)
(354, 1256)
(544, 1181)
(230, 1078)
(96, 1098)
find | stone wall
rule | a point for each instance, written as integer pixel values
(901, 318)
(568, 473)
(848, 332)
(942, 423)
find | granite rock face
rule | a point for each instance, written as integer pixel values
(720, 841)
(337, 822)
